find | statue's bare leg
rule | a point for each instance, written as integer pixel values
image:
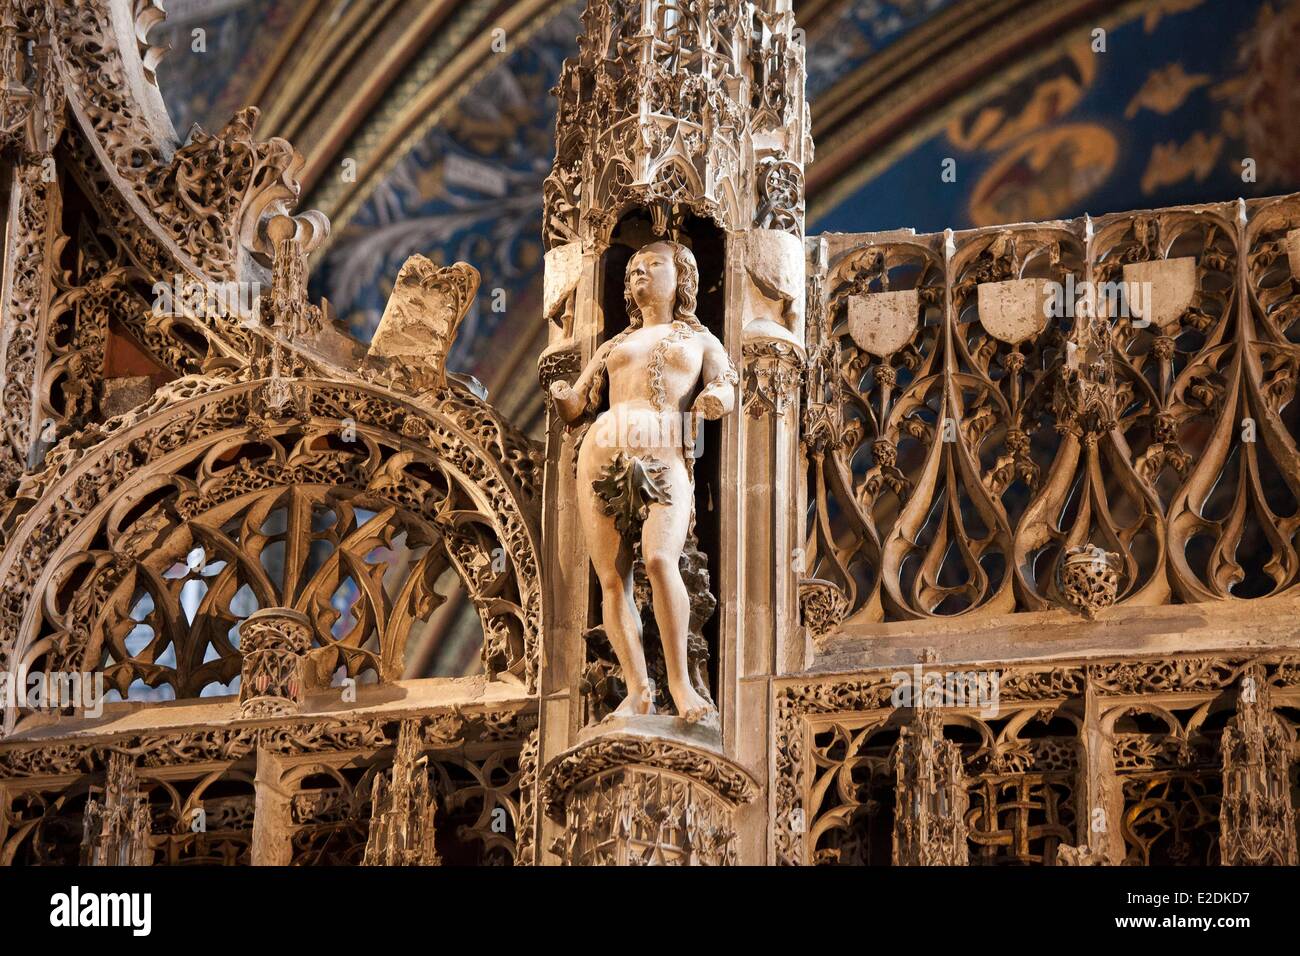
(663, 536)
(611, 557)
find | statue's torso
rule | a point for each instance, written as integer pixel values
(641, 420)
(671, 353)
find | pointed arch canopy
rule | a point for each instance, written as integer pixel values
(97, 549)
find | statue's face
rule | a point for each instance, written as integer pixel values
(652, 276)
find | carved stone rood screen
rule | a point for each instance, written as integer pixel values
(988, 445)
(955, 549)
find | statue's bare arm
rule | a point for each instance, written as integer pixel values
(718, 397)
(571, 400)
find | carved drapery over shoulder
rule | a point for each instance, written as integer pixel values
(1077, 414)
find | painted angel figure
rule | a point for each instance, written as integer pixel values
(634, 463)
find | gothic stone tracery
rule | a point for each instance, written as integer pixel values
(1064, 537)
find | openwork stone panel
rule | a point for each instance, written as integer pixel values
(133, 816)
(627, 799)
(1016, 775)
(1035, 783)
(471, 814)
(1081, 414)
(203, 199)
(630, 817)
(326, 491)
(265, 508)
(192, 797)
(662, 100)
(1000, 425)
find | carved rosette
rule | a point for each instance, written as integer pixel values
(627, 799)
(930, 796)
(274, 643)
(1256, 820)
(823, 606)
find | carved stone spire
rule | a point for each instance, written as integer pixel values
(929, 795)
(117, 821)
(31, 91)
(402, 808)
(1256, 821)
(680, 105)
(1086, 399)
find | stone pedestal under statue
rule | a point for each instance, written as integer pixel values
(646, 791)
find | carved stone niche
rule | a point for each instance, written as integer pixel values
(272, 681)
(643, 791)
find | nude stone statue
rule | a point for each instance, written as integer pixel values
(635, 462)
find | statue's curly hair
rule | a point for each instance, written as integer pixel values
(685, 322)
(688, 287)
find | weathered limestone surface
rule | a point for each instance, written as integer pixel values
(953, 581)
